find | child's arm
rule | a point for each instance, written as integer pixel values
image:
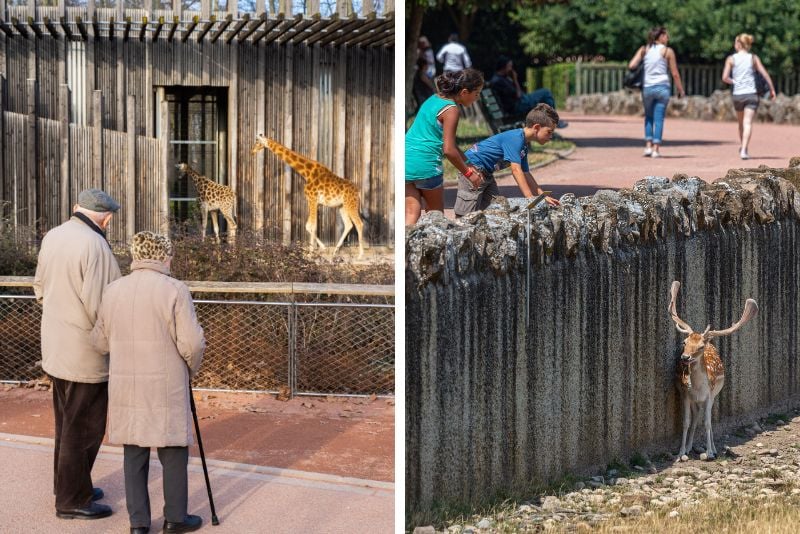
(527, 184)
(451, 151)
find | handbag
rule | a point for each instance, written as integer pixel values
(762, 87)
(634, 78)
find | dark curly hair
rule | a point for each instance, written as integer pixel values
(451, 83)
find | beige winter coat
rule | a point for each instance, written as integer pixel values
(148, 324)
(75, 264)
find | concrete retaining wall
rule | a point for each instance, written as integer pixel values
(783, 110)
(533, 352)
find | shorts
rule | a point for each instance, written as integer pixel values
(745, 101)
(471, 199)
(427, 184)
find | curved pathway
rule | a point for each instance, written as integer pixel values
(609, 153)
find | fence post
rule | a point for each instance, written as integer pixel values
(130, 170)
(292, 371)
(578, 88)
(97, 141)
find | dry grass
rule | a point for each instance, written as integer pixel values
(777, 515)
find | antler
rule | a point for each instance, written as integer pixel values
(750, 311)
(679, 323)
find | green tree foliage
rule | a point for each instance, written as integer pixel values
(701, 31)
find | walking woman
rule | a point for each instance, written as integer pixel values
(656, 89)
(740, 71)
(432, 135)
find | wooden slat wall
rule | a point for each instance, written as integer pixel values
(336, 104)
(16, 126)
(149, 184)
(49, 171)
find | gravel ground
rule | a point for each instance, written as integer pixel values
(757, 462)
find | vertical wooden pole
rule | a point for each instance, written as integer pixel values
(130, 170)
(149, 90)
(30, 154)
(366, 156)
(233, 120)
(340, 99)
(63, 117)
(315, 81)
(89, 46)
(120, 75)
(98, 180)
(166, 157)
(288, 98)
(258, 175)
(5, 188)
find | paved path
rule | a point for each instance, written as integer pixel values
(609, 153)
(249, 499)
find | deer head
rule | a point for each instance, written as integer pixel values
(260, 144)
(694, 343)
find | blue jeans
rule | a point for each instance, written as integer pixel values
(656, 98)
(528, 101)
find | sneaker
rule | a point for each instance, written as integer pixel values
(744, 155)
(648, 152)
(562, 124)
(655, 154)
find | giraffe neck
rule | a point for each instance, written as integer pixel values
(200, 182)
(308, 168)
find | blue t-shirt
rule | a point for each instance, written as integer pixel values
(507, 146)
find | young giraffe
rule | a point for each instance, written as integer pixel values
(322, 187)
(212, 197)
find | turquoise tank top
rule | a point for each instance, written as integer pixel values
(424, 140)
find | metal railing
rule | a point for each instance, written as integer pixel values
(304, 345)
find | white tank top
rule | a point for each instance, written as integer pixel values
(744, 82)
(655, 67)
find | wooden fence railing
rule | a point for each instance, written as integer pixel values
(567, 79)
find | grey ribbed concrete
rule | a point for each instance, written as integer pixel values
(493, 405)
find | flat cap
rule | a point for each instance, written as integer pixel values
(97, 200)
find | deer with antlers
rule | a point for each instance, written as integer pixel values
(700, 372)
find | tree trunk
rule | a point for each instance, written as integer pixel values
(414, 13)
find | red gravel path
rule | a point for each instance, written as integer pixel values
(609, 153)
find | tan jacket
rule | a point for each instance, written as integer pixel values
(75, 264)
(148, 324)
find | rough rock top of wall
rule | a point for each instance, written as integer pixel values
(495, 239)
(783, 110)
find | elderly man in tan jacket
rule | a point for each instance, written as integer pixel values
(148, 325)
(75, 264)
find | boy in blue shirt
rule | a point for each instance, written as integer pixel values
(494, 153)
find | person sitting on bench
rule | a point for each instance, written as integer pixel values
(509, 93)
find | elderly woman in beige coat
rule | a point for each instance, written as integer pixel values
(148, 325)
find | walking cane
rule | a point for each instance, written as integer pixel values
(214, 519)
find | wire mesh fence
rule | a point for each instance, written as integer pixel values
(251, 345)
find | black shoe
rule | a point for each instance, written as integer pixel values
(90, 511)
(97, 494)
(190, 523)
(140, 530)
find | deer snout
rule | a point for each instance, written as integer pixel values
(688, 358)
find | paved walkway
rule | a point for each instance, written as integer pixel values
(248, 498)
(609, 153)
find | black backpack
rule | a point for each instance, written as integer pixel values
(762, 87)
(634, 78)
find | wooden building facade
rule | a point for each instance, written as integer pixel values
(115, 97)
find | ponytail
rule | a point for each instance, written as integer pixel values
(451, 83)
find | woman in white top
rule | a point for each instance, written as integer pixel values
(739, 71)
(656, 89)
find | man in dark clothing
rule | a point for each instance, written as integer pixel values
(75, 264)
(509, 93)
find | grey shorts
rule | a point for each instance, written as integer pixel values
(745, 101)
(470, 199)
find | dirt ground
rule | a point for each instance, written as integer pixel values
(352, 437)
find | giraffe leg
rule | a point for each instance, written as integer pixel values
(204, 211)
(356, 218)
(215, 222)
(348, 225)
(311, 224)
(228, 214)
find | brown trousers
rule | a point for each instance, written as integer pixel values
(80, 416)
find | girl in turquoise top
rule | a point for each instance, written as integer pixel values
(432, 135)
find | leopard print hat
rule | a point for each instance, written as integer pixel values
(151, 246)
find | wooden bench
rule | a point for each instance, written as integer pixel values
(498, 120)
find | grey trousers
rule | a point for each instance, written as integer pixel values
(469, 199)
(176, 486)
